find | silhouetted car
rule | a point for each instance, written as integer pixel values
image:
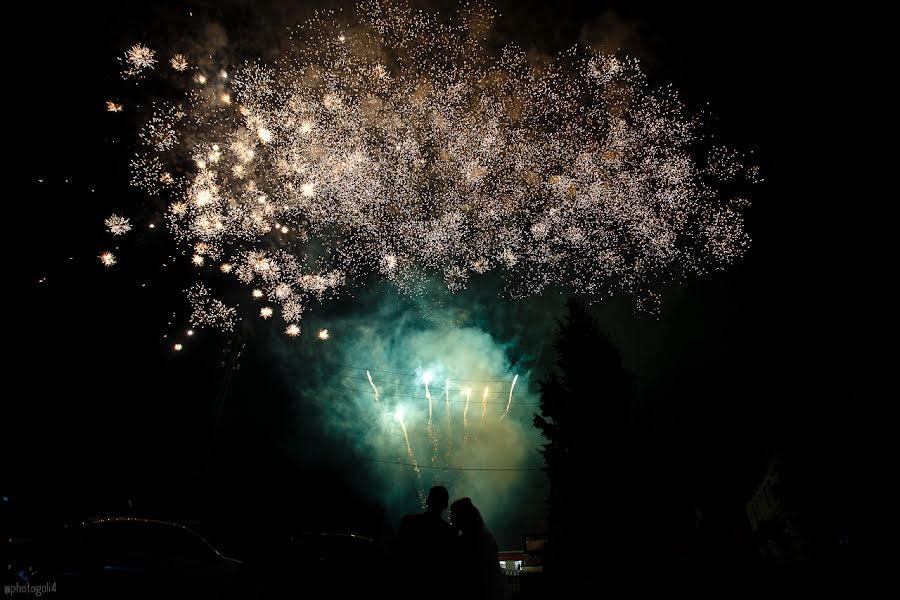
(136, 558)
(325, 565)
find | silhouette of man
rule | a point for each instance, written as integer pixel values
(424, 547)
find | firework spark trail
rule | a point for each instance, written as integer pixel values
(508, 402)
(409, 452)
(374, 389)
(483, 404)
(466, 417)
(431, 435)
(449, 423)
(573, 173)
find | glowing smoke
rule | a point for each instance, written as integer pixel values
(390, 348)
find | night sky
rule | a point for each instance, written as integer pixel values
(768, 355)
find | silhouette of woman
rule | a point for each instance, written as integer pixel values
(476, 554)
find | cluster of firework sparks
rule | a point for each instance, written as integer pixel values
(401, 146)
(459, 394)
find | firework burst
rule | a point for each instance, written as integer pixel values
(108, 259)
(179, 62)
(451, 163)
(137, 59)
(117, 224)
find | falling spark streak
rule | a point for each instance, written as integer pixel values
(449, 424)
(375, 389)
(409, 452)
(484, 404)
(399, 415)
(431, 435)
(508, 402)
(466, 416)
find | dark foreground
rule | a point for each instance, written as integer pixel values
(147, 558)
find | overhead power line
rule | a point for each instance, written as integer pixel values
(418, 374)
(437, 388)
(436, 398)
(397, 462)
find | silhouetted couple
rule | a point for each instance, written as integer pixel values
(444, 560)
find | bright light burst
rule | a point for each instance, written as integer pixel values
(108, 259)
(323, 334)
(179, 62)
(293, 330)
(265, 312)
(138, 58)
(113, 106)
(410, 151)
(117, 224)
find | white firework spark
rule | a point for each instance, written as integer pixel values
(117, 224)
(206, 310)
(137, 59)
(179, 62)
(108, 259)
(375, 389)
(452, 163)
(509, 401)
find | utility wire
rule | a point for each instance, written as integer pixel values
(436, 388)
(435, 398)
(397, 462)
(415, 374)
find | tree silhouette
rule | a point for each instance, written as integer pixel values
(584, 408)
